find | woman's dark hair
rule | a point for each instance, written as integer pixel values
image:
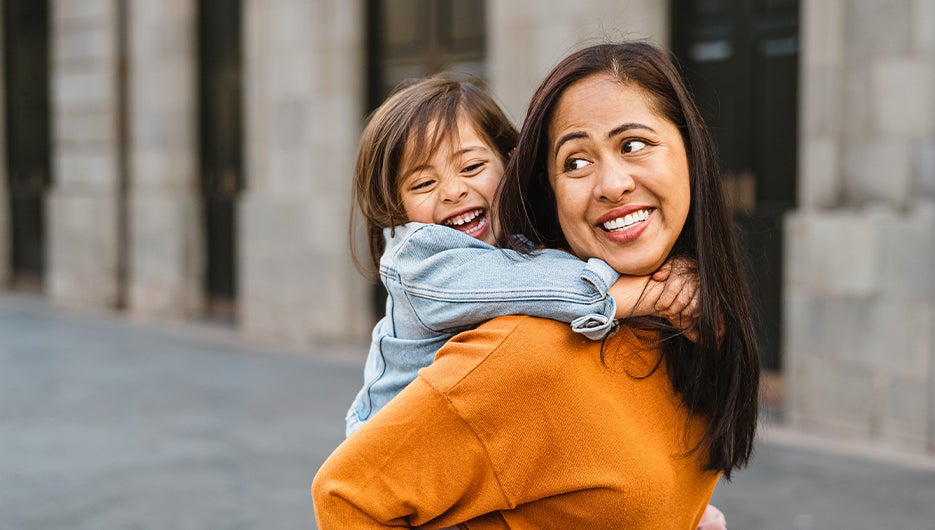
(413, 122)
(718, 376)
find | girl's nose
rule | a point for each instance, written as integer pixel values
(453, 189)
(614, 182)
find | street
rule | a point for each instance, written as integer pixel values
(109, 424)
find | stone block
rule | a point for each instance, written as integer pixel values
(923, 171)
(877, 27)
(835, 400)
(297, 282)
(830, 254)
(166, 255)
(907, 254)
(81, 267)
(923, 27)
(89, 44)
(881, 335)
(821, 102)
(67, 12)
(820, 183)
(92, 86)
(79, 130)
(878, 173)
(85, 169)
(806, 330)
(904, 404)
(822, 33)
(856, 114)
(902, 96)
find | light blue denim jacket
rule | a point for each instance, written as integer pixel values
(441, 281)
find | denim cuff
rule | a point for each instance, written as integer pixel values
(599, 274)
(594, 326)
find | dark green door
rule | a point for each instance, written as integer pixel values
(26, 80)
(221, 145)
(740, 58)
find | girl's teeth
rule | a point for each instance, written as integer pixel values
(627, 220)
(461, 219)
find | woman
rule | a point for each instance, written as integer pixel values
(522, 424)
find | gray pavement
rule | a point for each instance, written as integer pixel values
(108, 424)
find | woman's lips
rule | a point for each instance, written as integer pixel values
(624, 226)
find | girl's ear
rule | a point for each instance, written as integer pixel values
(510, 154)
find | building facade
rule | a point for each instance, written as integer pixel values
(191, 159)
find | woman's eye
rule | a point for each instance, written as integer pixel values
(573, 164)
(631, 146)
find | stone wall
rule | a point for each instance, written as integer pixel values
(860, 252)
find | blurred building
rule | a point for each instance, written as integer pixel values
(191, 159)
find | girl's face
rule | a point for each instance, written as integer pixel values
(455, 185)
(619, 173)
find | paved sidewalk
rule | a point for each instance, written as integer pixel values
(107, 424)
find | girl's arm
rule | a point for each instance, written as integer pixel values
(454, 282)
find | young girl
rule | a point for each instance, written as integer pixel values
(430, 162)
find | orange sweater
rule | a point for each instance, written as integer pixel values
(519, 424)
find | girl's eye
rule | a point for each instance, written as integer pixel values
(474, 168)
(422, 185)
(574, 164)
(631, 146)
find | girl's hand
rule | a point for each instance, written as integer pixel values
(678, 303)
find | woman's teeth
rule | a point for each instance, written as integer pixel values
(622, 223)
(463, 218)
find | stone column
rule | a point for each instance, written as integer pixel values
(526, 38)
(860, 293)
(82, 238)
(165, 226)
(304, 96)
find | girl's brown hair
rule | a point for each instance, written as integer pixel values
(419, 116)
(716, 377)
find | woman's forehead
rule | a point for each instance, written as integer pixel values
(601, 102)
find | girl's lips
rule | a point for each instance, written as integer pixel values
(473, 222)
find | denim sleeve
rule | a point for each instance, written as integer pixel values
(455, 282)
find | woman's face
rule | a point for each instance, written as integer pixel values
(619, 173)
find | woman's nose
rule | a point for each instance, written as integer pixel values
(453, 189)
(615, 181)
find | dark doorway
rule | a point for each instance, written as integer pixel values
(220, 135)
(740, 58)
(411, 39)
(26, 81)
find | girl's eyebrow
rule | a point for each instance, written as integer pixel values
(469, 149)
(620, 129)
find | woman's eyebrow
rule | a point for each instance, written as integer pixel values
(570, 136)
(620, 129)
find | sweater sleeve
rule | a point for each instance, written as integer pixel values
(454, 282)
(415, 463)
